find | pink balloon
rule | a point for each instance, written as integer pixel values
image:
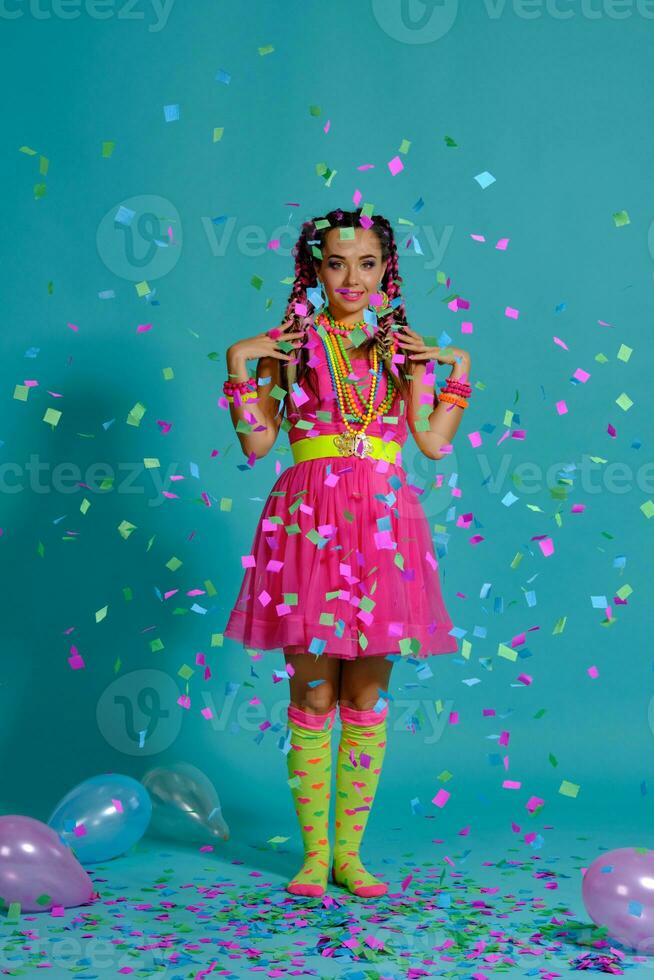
(34, 862)
(618, 892)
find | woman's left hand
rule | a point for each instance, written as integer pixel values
(414, 346)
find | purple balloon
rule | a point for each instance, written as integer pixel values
(34, 862)
(618, 892)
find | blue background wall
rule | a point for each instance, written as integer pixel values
(556, 108)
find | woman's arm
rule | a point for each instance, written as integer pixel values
(432, 430)
(257, 421)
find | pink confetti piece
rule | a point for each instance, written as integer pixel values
(273, 244)
(478, 238)
(248, 561)
(143, 327)
(561, 407)
(502, 244)
(466, 326)
(395, 166)
(512, 313)
(561, 343)
(75, 660)
(511, 784)
(73, 326)
(118, 805)
(593, 672)
(533, 803)
(441, 798)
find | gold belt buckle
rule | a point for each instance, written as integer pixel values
(353, 444)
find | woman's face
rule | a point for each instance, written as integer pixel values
(351, 271)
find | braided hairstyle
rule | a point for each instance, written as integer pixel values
(306, 263)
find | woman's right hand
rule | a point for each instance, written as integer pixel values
(265, 345)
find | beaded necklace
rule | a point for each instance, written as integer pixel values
(352, 441)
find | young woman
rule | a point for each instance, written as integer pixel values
(342, 574)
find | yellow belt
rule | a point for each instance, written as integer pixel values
(344, 444)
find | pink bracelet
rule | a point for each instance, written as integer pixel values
(231, 386)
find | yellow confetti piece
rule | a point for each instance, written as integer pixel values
(218, 133)
(225, 504)
(85, 505)
(625, 353)
(559, 625)
(568, 789)
(28, 150)
(52, 416)
(101, 614)
(44, 166)
(648, 508)
(21, 392)
(151, 462)
(267, 49)
(624, 401)
(278, 840)
(168, 374)
(173, 564)
(217, 639)
(624, 591)
(404, 146)
(142, 288)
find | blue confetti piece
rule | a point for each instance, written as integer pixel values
(485, 179)
(223, 76)
(171, 113)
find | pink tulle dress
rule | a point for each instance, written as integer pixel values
(342, 562)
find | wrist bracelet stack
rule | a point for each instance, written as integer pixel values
(457, 392)
(246, 389)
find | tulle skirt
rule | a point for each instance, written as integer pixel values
(342, 563)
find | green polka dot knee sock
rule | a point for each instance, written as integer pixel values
(309, 763)
(360, 757)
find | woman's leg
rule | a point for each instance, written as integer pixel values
(359, 763)
(311, 714)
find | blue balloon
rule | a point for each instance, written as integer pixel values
(113, 811)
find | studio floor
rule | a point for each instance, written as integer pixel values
(460, 904)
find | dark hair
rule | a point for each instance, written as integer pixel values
(313, 238)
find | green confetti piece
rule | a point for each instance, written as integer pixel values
(256, 281)
(404, 146)
(314, 110)
(449, 141)
(568, 789)
(52, 415)
(156, 645)
(85, 505)
(125, 529)
(21, 392)
(620, 218)
(108, 147)
(267, 49)
(173, 564)
(218, 133)
(40, 549)
(168, 374)
(142, 288)
(559, 626)
(624, 402)
(624, 353)
(101, 614)
(136, 414)
(185, 672)
(217, 639)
